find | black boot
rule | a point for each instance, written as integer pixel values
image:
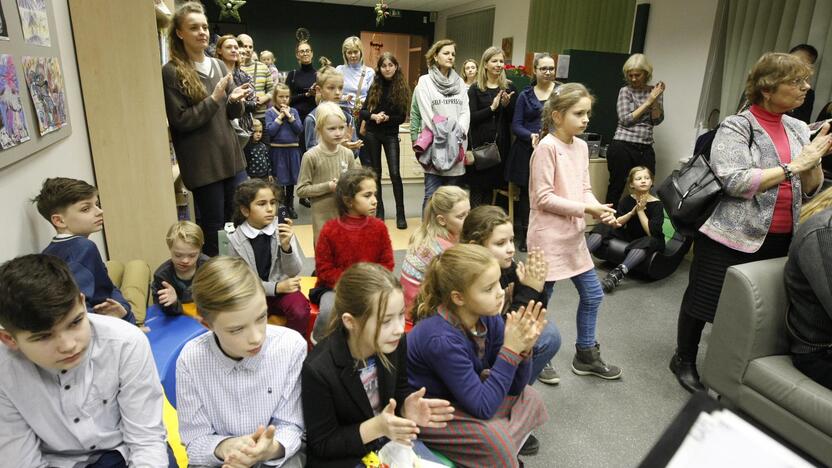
(520, 238)
(380, 210)
(530, 447)
(305, 202)
(686, 374)
(401, 221)
(289, 197)
(613, 279)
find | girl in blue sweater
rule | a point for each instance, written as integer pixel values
(461, 350)
(284, 127)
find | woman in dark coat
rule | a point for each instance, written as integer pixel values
(491, 100)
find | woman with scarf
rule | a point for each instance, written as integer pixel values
(357, 81)
(440, 105)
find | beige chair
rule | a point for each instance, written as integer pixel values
(133, 279)
(749, 365)
(512, 194)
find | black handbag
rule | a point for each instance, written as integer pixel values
(691, 194)
(487, 155)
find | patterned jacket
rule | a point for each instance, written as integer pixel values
(743, 216)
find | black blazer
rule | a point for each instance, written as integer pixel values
(335, 403)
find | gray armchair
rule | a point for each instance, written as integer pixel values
(749, 365)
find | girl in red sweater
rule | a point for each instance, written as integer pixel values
(356, 236)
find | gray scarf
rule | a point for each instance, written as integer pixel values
(448, 86)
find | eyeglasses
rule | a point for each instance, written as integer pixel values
(305, 51)
(546, 69)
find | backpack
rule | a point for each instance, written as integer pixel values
(691, 193)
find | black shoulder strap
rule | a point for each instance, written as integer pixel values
(751, 131)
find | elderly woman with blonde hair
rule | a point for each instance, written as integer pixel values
(767, 167)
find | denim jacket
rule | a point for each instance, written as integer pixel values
(743, 216)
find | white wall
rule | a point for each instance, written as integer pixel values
(677, 44)
(24, 230)
(511, 19)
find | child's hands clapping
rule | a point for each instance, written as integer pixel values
(605, 213)
(289, 285)
(353, 145)
(401, 430)
(167, 295)
(523, 327)
(252, 449)
(427, 412)
(533, 273)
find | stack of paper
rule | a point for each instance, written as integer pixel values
(722, 439)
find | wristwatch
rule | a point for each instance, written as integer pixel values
(787, 170)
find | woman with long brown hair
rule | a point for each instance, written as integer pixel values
(200, 99)
(386, 109)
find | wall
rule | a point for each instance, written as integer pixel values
(511, 18)
(272, 24)
(24, 230)
(677, 44)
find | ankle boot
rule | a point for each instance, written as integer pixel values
(401, 221)
(588, 361)
(380, 211)
(613, 279)
(686, 374)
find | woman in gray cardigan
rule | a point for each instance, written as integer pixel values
(767, 166)
(200, 98)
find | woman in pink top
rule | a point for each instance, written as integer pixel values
(560, 195)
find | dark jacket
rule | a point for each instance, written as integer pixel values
(808, 278)
(485, 125)
(397, 116)
(206, 146)
(335, 403)
(300, 81)
(166, 272)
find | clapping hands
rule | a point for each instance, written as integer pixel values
(247, 451)
(523, 327)
(533, 272)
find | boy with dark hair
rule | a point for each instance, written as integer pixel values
(71, 205)
(78, 389)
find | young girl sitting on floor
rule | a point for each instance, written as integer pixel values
(226, 414)
(356, 236)
(355, 392)
(490, 227)
(271, 250)
(462, 350)
(322, 165)
(640, 225)
(444, 214)
(560, 196)
(284, 128)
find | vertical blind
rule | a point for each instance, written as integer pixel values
(753, 27)
(597, 25)
(472, 32)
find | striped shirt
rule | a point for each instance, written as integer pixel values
(220, 397)
(635, 130)
(263, 83)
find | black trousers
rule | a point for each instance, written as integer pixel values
(817, 366)
(621, 157)
(373, 144)
(214, 205)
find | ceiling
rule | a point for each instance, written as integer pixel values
(418, 5)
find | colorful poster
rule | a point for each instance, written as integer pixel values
(46, 85)
(35, 21)
(4, 27)
(13, 120)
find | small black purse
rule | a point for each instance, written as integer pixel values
(487, 155)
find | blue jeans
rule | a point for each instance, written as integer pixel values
(589, 288)
(433, 182)
(545, 349)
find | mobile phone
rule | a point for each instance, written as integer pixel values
(282, 214)
(816, 126)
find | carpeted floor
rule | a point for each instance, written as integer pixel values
(596, 423)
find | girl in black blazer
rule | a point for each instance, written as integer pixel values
(354, 382)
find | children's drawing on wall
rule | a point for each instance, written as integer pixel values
(46, 85)
(4, 27)
(35, 21)
(13, 131)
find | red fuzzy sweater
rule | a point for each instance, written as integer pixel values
(347, 240)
